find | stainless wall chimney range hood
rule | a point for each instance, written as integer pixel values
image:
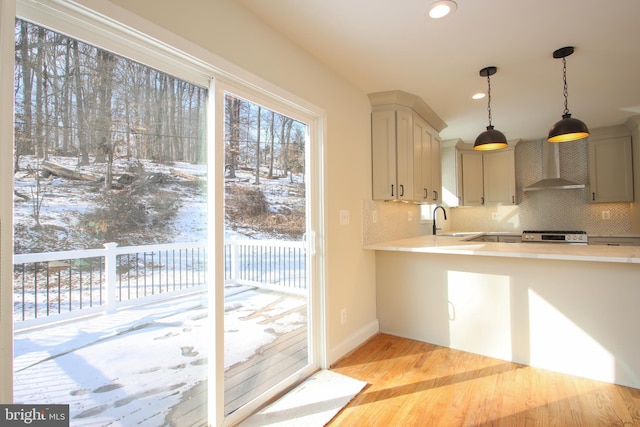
(551, 179)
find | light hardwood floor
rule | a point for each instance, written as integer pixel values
(411, 383)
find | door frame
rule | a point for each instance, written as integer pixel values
(316, 334)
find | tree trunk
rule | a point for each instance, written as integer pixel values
(81, 121)
(257, 181)
(24, 144)
(105, 70)
(49, 168)
(272, 143)
(233, 150)
(39, 79)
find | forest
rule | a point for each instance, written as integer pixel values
(129, 128)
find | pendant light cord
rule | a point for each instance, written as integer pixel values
(566, 91)
(489, 97)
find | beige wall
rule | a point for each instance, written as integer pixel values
(634, 125)
(230, 32)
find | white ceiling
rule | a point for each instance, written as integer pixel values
(382, 45)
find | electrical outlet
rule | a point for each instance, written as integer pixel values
(343, 316)
(409, 216)
(606, 215)
(494, 216)
(344, 217)
(374, 216)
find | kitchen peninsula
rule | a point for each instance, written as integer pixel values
(567, 308)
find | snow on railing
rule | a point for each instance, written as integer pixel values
(57, 286)
(69, 284)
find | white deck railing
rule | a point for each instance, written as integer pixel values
(57, 286)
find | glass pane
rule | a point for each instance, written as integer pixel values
(266, 280)
(110, 266)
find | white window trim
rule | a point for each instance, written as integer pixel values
(7, 51)
(115, 29)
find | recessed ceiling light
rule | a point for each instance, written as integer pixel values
(479, 95)
(442, 8)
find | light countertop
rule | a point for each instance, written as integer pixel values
(456, 245)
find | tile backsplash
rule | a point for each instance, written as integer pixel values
(393, 220)
(539, 210)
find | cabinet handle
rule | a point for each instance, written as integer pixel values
(401, 190)
(435, 194)
(593, 196)
(513, 200)
(426, 194)
(482, 200)
(391, 190)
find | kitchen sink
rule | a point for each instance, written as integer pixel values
(461, 234)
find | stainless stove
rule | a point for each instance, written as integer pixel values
(555, 236)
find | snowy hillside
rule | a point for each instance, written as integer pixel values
(159, 206)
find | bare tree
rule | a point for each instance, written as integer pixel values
(257, 152)
(75, 98)
(233, 135)
(272, 143)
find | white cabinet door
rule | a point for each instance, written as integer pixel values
(436, 170)
(499, 178)
(487, 178)
(392, 155)
(383, 153)
(421, 160)
(404, 152)
(472, 179)
(611, 170)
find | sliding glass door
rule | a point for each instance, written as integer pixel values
(268, 281)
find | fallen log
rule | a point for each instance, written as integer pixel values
(186, 175)
(49, 168)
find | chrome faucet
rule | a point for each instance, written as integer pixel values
(434, 217)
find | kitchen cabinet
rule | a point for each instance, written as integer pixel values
(610, 170)
(487, 178)
(427, 167)
(436, 169)
(472, 179)
(392, 154)
(405, 148)
(615, 240)
(527, 308)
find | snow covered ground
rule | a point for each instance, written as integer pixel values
(131, 367)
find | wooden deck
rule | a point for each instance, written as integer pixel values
(275, 362)
(246, 380)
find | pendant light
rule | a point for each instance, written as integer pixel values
(568, 129)
(490, 139)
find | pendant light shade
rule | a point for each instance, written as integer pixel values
(491, 139)
(568, 129)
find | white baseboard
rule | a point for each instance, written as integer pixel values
(352, 341)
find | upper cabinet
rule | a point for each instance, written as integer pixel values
(405, 148)
(427, 187)
(610, 170)
(486, 178)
